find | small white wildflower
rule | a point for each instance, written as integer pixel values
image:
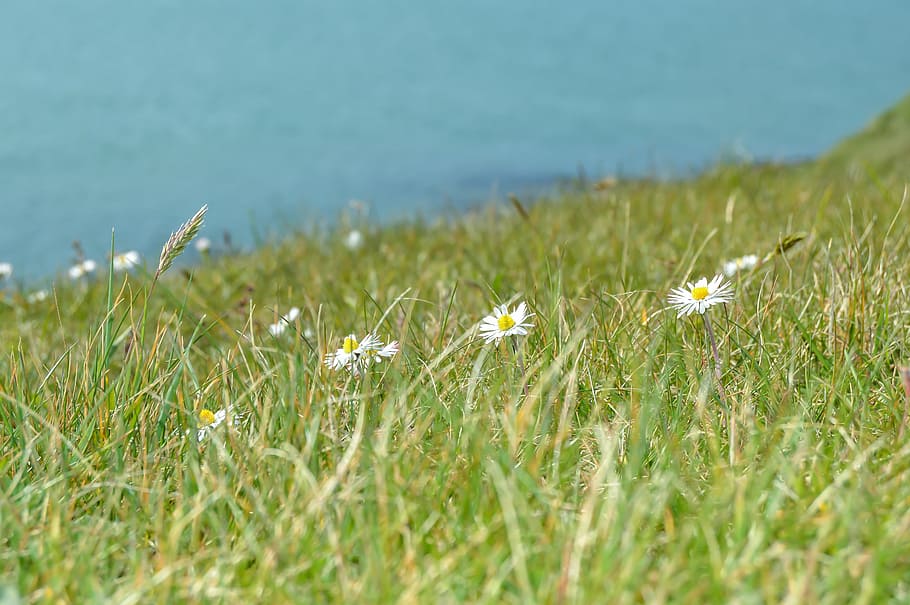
(732, 267)
(277, 329)
(37, 296)
(353, 240)
(502, 323)
(209, 421)
(6, 271)
(203, 245)
(82, 269)
(125, 261)
(353, 354)
(700, 296)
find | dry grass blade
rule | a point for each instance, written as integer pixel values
(179, 240)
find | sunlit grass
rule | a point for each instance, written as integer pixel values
(601, 469)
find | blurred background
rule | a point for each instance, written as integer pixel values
(129, 115)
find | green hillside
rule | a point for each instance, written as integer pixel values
(883, 146)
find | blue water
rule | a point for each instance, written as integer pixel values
(129, 114)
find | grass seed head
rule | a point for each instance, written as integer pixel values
(179, 240)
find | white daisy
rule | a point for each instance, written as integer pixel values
(6, 271)
(353, 240)
(732, 267)
(700, 296)
(82, 269)
(209, 421)
(203, 245)
(354, 354)
(37, 296)
(277, 329)
(502, 323)
(125, 261)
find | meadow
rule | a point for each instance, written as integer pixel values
(594, 459)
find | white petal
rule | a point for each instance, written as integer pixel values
(390, 349)
(715, 282)
(370, 342)
(519, 314)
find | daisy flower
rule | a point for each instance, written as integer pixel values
(209, 421)
(6, 271)
(355, 354)
(125, 261)
(700, 296)
(732, 267)
(353, 240)
(37, 296)
(82, 269)
(203, 245)
(502, 323)
(277, 329)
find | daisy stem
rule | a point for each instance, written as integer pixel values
(717, 374)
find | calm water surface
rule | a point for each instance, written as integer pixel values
(128, 115)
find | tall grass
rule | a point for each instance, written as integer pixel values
(605, 472)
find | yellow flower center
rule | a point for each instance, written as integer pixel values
(206, 417)
(350, 345)
(700, 293)
(505, 322)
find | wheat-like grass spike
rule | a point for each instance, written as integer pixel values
(179, 240)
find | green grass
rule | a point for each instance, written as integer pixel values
(608, 471)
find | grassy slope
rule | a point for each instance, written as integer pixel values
(617, 477)
(883, 146)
